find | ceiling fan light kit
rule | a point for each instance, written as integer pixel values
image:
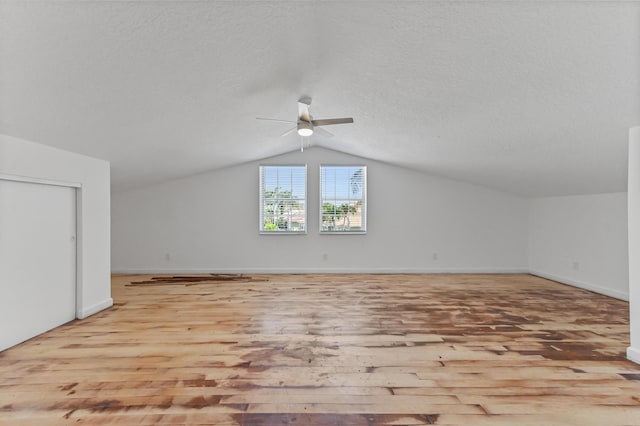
(305, 124)
(305, 128)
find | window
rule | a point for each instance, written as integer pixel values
(283, 199)
(343, 199)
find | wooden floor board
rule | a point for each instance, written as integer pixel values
(332, 350)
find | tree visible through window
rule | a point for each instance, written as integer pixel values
(283, 199)
(343, 198)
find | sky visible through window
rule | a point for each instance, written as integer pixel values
(342, 183)
(285, 178)
(337, 181)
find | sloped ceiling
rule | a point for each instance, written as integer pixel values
(533, 98)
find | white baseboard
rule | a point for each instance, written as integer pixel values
(94, 309)
(383, 270)
(390, 270)
(581, 284)
(633, 354)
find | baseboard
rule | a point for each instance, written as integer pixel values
(633, 354)
(388, 270)
(581, 284)
(320, 271)
(94, 309)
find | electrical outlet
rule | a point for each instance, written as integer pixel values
(435, 256)
(167, 257)
(325, 256)
(576, 266)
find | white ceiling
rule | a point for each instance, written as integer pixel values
(534, 98)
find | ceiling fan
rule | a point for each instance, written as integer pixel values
(306, 125)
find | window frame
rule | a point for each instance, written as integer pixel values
(364, 201)
(261, 229)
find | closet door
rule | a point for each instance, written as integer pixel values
(37, 259)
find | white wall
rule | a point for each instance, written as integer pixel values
(20, 158)
(582, 241)
(209, 222)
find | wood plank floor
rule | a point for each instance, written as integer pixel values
(332, 350)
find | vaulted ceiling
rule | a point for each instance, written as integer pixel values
(533, 98)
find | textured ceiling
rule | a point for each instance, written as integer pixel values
(533, 98)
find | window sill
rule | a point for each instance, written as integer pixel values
(283, 232)
(343, 232)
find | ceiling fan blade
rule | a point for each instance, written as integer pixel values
(330, 121)
(275, 119)
(322, 132)
(289, 131)
(303, 109)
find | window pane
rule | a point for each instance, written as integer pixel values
(283, 198)
(343, 198)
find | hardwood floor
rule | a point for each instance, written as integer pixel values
(332, 350)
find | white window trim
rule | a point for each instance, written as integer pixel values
(261, 202)
(364, 197)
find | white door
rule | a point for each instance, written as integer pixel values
(37, 259)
